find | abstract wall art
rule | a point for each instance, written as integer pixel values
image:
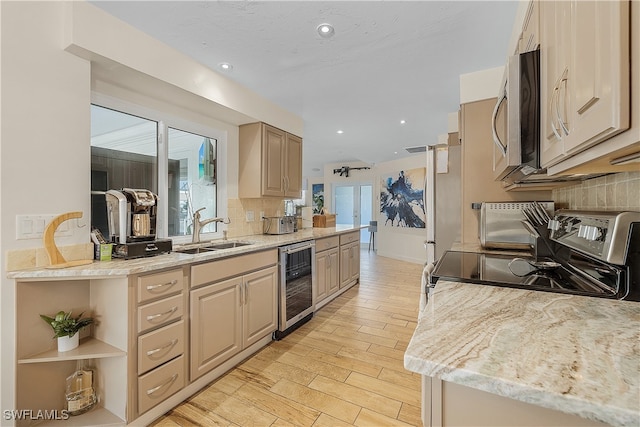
(401, 199)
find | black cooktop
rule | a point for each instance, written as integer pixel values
(503, 270)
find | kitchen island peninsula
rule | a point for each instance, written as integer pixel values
(498, 356)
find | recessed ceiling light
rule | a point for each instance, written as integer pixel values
(403, 122)
(395, 152)
(325, 30)
(225, 66)
(340, 131)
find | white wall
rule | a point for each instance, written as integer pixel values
(405, 244)
(401, 243)
(45, 133)
(45, 116)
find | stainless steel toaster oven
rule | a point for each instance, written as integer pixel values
(279, 224)
(501, 226)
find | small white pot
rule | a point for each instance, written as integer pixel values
(68, 343)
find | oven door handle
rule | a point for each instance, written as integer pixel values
(293, 250)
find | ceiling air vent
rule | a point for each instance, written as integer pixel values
(418, 149)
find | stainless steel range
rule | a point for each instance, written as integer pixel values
(595, 254)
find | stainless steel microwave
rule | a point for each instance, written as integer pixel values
(516, 119)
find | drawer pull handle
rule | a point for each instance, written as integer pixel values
(166, 383)
(155, 350)
(166, 313)
(160, 285)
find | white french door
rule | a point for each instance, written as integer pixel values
(353, 205)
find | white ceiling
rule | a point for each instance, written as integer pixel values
(388, 61)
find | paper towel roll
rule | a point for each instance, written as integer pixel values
(307, 217)
(307, 213)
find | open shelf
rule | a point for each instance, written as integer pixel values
(89, 348)
(96, 417)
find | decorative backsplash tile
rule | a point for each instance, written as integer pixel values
(613, 192)
(238, 209)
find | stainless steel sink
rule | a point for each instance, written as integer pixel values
(228, 245)
(194, 251)
(211, 247)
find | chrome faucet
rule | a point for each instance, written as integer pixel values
(198, 224)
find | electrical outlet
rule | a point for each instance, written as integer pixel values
(250, 216)
(261, 214)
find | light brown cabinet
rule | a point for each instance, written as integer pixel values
(270, 162)
(161, 337)
(231, 314)
(327, 267)
(530, 37)
(585, 85)
(349, 259)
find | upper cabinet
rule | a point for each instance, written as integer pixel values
(270, 162)
(585, 87)
(530, 38)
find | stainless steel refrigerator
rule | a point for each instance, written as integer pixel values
(442, 199)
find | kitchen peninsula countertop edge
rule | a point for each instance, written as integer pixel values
(579, 355)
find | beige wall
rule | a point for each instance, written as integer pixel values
(477, 168)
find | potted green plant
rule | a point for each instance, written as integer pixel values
(66, 327)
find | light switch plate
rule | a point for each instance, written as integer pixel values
(32, 226)
(250, 216)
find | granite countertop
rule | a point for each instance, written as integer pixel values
(122, 268)
(575, 354)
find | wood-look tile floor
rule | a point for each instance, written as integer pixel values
(342, 368)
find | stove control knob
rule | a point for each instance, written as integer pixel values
(582, 231)
(592, 233)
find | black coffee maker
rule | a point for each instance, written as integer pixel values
(132, 223)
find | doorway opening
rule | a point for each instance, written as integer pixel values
(354, 206)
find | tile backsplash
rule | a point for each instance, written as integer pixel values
(619, 191)
(238, 209)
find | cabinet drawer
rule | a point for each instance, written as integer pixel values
(160, 284)
(230, 267)
(160, 312)
(350, 238)
(160, 383)
(327, 243)
(159, 346)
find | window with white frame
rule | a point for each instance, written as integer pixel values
(176, 159)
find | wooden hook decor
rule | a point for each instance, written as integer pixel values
(55, 257)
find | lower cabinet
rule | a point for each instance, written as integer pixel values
(161, 337)
(157, 385)
(231, 314)
(327, 267)
(449, 404)
(349, 259)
